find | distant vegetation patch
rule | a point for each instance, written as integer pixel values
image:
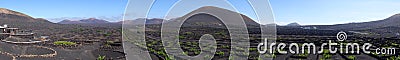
(64, 43)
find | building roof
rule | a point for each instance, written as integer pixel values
(12, 28)
(4, 26)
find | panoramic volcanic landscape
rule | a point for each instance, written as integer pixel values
(381, 33)
(89, 39)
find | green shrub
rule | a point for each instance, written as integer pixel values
(352, 57)
(181, 37)
(327, 56)
(189, 33)
(219, 33)
(270, 55)
(64, 43)
(220, 53)
(253, 49)
(107, 34)
(326, 51)
(393, 58)
(101, 57)
(108, 43)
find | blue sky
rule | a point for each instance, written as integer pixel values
(324, 12)
(310, 12)
(160, 7)
(305, 12)
(67, 8)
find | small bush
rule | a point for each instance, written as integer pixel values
(220, 53)
(188, 33)
(64, 43)
(253, 49)
(326, 54)
(352, 57)
(270, 55)
(394, 58)
(101, 57)
(107, 34)
(181, 37)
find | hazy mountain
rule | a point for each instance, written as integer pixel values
(93, 20)
(293, 24)
(142, 20)
(392, 21)
(69, 22)
(84, 21)
(388, 27)
(154, 21)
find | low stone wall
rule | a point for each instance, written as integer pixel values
(13, 40)
(42, 55)
(14, 56)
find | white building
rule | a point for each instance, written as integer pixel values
(14, 35)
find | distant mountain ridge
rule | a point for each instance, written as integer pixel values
(84, 21)
(141, 20)
(392, 21)
(389, 27)
(293, 24)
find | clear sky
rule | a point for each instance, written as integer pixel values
(67, 8)
(305, 12)
(160, 7)
(310, 12)
(324, 12)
